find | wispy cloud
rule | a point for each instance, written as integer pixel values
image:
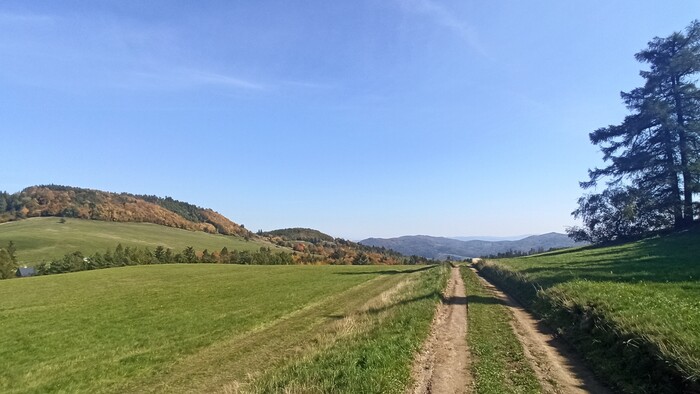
(54, 51)
(25, 18)
(442, 16)
(209, 78)
(188, 78)
(308, 84)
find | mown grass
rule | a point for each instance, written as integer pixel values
(43, 239)
(375, 354)
(643, 296)
(498, 362)
(175, 328)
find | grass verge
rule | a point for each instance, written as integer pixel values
(498, 363)
(632, 310)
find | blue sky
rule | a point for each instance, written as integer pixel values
(359, 118)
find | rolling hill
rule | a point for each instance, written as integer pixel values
(46, 238)
(80, 203)
(440, 247)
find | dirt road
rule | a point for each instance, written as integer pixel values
(442, 365)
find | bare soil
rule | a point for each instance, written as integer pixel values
(442, 366)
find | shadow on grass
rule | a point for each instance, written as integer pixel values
(657, 270)
(661, 259)
(433, 295)
(488, 300)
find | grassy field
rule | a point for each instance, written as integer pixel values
(498, 363)
(40, 239)
(647, 292)
(203, 328)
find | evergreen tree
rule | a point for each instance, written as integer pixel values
(160, 254)
(7, 266)
(12, 251)
(189, 255)
(168, 256)
(3, 202)
(656, 149)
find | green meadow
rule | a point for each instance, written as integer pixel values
(646, 292)
(203, 328)
(41, 239)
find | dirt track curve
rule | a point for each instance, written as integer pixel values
(442, 366)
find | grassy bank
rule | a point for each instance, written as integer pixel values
(43, 239)
(633, 310)
(498, 363)
(171, 328)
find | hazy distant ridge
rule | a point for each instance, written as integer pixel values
(440, 247)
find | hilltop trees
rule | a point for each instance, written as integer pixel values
(74, 202)
(653, 156)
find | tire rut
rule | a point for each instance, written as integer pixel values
(558, 369)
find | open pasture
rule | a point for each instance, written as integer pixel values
(204, 328)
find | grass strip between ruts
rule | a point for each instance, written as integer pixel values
(498, 362)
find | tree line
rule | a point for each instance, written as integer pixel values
(652, 171)
(518, 253)
(122, 256)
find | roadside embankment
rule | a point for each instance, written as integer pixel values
(621, 352)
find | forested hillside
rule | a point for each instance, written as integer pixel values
(73, 202)
(313, 246)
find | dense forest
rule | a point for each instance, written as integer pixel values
(73, 202)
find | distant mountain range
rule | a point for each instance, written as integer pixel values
(491, 238)
(441, 247)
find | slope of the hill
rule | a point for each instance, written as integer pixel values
(440, 247)
(49, 238)
(73, 202)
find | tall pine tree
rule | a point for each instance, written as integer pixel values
(656, 149)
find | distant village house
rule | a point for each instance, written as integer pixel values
(25, 271)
